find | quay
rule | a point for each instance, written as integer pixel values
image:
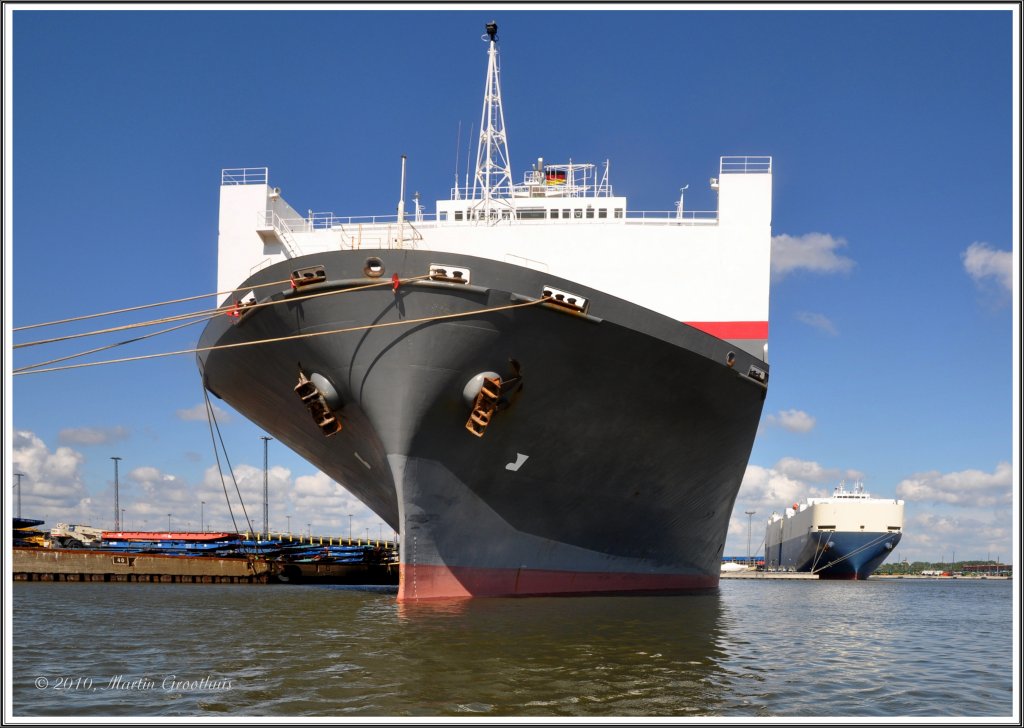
(42, 564)
(768, 575)
(46, 564)
(775, 575)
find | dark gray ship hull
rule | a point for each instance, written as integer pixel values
(612, 468)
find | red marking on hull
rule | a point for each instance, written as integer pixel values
(732, 329)
(422, 582)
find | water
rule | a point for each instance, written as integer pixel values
(754, 648)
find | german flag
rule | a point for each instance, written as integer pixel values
(554, 177)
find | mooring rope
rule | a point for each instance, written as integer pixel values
(148, 305)
(293, 337)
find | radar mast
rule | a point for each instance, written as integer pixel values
(493, 169)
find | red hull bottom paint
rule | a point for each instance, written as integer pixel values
(443, 582)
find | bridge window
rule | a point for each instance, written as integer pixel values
(618, 212)
(602, 213)
(532, 213)
(590, 213)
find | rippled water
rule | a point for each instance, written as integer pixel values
(753, 648)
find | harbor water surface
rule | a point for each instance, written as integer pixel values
(753, 648)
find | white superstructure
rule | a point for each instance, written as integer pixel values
(709, 269)
(842, 512)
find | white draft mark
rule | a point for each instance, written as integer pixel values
(520, 459)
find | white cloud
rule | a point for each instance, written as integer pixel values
(811, 472)
(320, 494)
(966, 488)
(51, 486)
(293, 503)
(198, 414)
(817, 321)
(250, 483)
(770, 490)
(969, 511)
(92, 435)
(983, 262)
(815, 252)
(932, 536)
(792, 420)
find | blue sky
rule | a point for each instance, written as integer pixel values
(892, 308)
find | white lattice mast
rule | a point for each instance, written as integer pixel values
(493, 169)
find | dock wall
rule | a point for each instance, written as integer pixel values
(37, 564)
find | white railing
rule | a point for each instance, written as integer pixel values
(244, 176)
(535, 191)
(329, 221)
(348, 226)
(746, 165)
(672, 216)
(268, 219)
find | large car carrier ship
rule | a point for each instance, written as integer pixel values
(541, 390)
(845, 536)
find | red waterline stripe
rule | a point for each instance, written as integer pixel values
(732, 329)
(428, 581)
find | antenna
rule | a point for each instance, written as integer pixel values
(679, 205)
(458, 143)
(469, 142)
(401, 206)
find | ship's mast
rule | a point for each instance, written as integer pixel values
(493, 170)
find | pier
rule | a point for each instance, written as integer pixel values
(45, 564)
(41, 564)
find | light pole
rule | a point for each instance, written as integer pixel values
(18, 485)
(350, 528)
(750, 516)
(124, 524)
(168, 523)
(266, 500)
(289, 525)
(202, 507)
(117, 522)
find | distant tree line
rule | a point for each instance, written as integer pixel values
(960, 567)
